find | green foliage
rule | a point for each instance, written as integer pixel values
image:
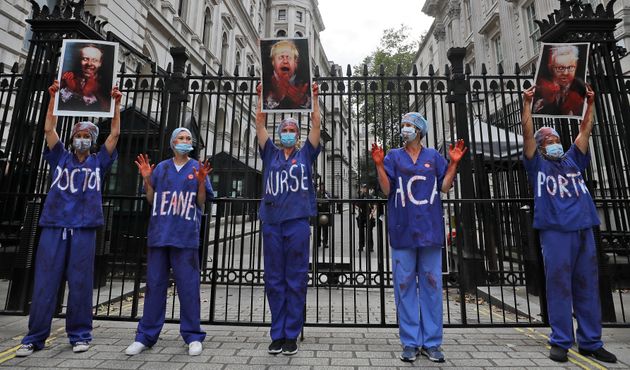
(382, 107)
(394, 48)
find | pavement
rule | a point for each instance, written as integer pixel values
(245, 347)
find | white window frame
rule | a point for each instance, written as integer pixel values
(282, 14)
(533, 31)
(498, 51)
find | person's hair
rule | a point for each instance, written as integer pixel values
(282, 44)
(557, 51)
(91, 46)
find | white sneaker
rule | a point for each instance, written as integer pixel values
(195, 348)
(135, 348)
(25, 350)
(80, 347)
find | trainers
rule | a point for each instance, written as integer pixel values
(433, 353)
(80, 347)
(289, 347)
(195, 348)
(25, 350)
(558, 354)
(409, 354)
(135, 348)
(599, 354)
(275, 347)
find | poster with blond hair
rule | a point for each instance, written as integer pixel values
(286, 75)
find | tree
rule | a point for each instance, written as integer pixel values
(383, 96)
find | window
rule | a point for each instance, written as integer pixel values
(299, 34)
(281, 33)
(498, 53)
(532, 28)
(468, 15)
(300, 16)
(207, 28)
(252, 8)
(182, 8)
(282, 14)
(224, 49)
(471, 65)
(238, 62)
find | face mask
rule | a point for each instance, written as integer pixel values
(288, 139)
(554, 151)
(81, 145)
(183, 148)
(408, 133)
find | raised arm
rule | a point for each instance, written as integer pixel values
(114, 134)
(581, 141)
(379, 157)
(146, 169)
(455, 153)
(316, 129)
(529, 144)
(50, 132)
(204, 169)
(261, 119)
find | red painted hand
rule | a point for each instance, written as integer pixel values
(144, 166)
(204, 169)
(378, 156)
(456, 153)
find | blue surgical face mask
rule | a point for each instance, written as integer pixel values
(183, 148)
(81, 145)
(554, 151)
(288, 139)
(408, 133)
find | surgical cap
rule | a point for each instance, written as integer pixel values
(543, 133)
(417, 120)
(176, 132)
(91, 128)
(289, 121)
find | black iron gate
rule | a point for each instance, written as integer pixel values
(492, 267)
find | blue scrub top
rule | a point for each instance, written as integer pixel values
(175, 216)
(561, 200)
(414, 206)
(75, 199)
(288, 191)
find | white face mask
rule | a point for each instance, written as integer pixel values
(81, 145)
(408, 133)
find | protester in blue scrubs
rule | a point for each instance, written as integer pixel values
(564, 214)
(287, 203)
(72, 213)
(176, 189)
(412, 177)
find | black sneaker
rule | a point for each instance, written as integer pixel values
(289, 347)
(558, 354)
(275, 347)
(599, 354)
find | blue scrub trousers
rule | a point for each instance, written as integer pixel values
(62, 253)
(185, 265)
(418, 293)
(571, 274)
(286, 252)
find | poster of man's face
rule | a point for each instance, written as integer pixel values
(286, 75)
(560, 81)
(86, 77)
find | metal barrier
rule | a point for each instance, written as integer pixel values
(492, 268)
